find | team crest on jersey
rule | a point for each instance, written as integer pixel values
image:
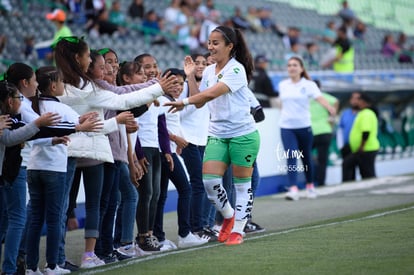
(220, 76)
(236, 70)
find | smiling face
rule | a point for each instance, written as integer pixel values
(219, 51)
(109, 74)
(84, 59)
(150, 67)
(135, 77)
(294, 68)
(98, 69)
(200, 63)
(139, 76)
(111, 59)
(132, 73)
(178, 87)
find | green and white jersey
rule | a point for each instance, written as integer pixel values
(229, 113)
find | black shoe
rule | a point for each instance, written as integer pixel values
(121, 256)
(108, 259)
(149, 244)
(69, 266)
(21, 265)
(209, 233)
(252, 227)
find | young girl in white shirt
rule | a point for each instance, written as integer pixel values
(177, 176)
(46, 172)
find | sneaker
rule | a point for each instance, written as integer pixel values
(252, 227)
(139, 252)
(216, 228)
(167, 245)
(155, 241)
(191, 240)
(226, 228)
(21, 265)
(234, 239)
(108, 259)
(127, 250)
(292, 195)
(208, 233)
(121, 256)
(31, 272)
(57, 270)
(69, 266)
(91, 261)
(150, 245)
(311, 193)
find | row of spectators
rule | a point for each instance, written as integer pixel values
(187, 24)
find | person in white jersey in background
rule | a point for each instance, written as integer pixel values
(295, 125)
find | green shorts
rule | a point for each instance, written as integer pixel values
(240, 151)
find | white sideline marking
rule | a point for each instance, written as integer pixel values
(360, 185)
(156, 256)
(395, 190)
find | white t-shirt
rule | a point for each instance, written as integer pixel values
(230, 113)
(148, 127)
(194, 121)
(253, 100)
(172, 120)
(295, 98)
(29, 115)
(52, 157)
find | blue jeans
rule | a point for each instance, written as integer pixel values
(14, 201)
(70, 173)
(298, 145)
(129, 199)
(46, 198)
(22, 248)
(109, 201)
(3, 218)
(180, 181)
(149, 191)
(200, 205)
(92, 184)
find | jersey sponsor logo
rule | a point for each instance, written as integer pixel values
(248, 158)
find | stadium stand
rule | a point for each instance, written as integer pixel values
(309, 16)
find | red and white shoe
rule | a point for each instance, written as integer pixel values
(226, 229)
(234, 239)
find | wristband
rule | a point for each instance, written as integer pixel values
(186, 101)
